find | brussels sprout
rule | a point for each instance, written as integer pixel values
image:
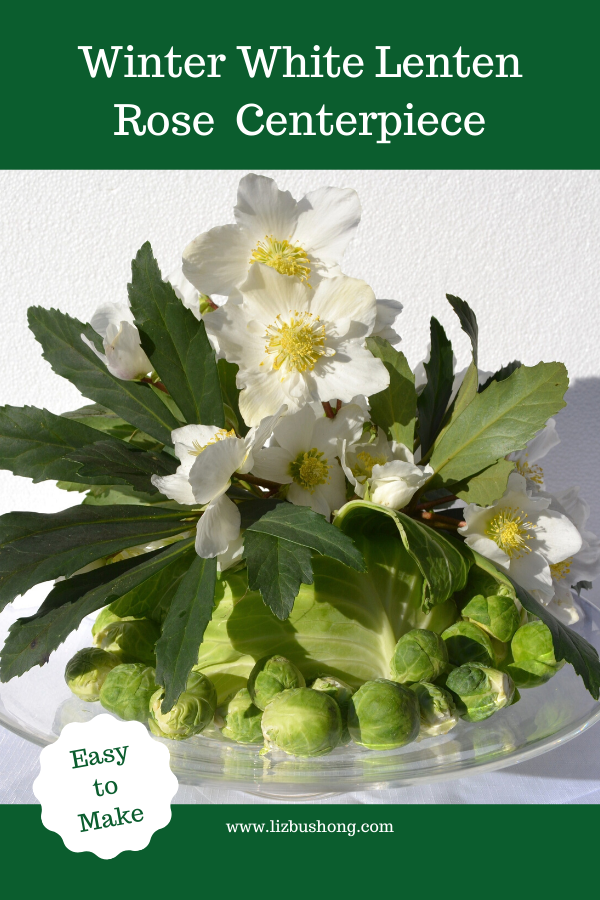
(242, 719)
(85, 672)
(481, 691)
(127, 690)
(106, 617)
(383, 715)
(467, 642)
(419, 656)
(193, 711)
(533, 659)
(132, 640)
(302, 722)
(270, 676)
(496, 614)
(341, 693)
(437, 708)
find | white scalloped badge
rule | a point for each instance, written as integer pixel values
(105, 786)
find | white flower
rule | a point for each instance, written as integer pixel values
(209, 456)
(527, 460)
(294, 344)
(305, 457)
(305, 239)
(123, 354)
(581, 566)
(387, 313)
(523, 535)
(358, 459)
(394, 483)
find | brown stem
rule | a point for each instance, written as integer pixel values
(430, 504)
(157, 384)
(210, 302)
(329, 411)
(432, 518)
(261, 482)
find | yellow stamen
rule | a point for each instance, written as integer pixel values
(560, 570)
(309, 470)
(284, 257)
(533, 473)
(221, 435)
(510, 530)
(365, 462)
(297, 344)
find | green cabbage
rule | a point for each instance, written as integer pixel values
(345, 624)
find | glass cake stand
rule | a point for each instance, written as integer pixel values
(38, 705)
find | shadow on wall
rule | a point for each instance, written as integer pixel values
(576, 460)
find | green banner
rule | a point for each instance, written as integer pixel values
(394, 851)
(337, 85)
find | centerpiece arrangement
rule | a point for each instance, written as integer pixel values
(285, 531)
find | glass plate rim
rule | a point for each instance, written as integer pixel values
(304, 786)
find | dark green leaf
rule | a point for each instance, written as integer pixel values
(468, 321)
(470, 382)
(231, 392)
(432, 402)
(34, 441)
(441, 560)
(568, 645)
(31, 641)
(36, 547)
(60, 337)
(277, 568)
(175, 342)
(252, 510)
(501, 374)
(119, 463)
(183, 630)
(152, 599)
(277, 549)
(103, 420)
(394, 409)
(488, 486)
(499, 421)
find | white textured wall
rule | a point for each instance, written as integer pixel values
(521, 247)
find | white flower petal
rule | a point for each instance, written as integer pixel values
(487, 548)
(532, 572)
(334, 380)
(328, 221)
(218, 527)
(348, 300)
(263, 210)
(217, 261)
(273, 464)
(294, 433)
(346, 426)
(262, 395)
(175, 487)
(232, 555)
(258, 436)
(211, 472)
(556, 536)
(334, 491)
(317, 501)
(268, 294)
(396, 482)
(111, 314)
(125, 358)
